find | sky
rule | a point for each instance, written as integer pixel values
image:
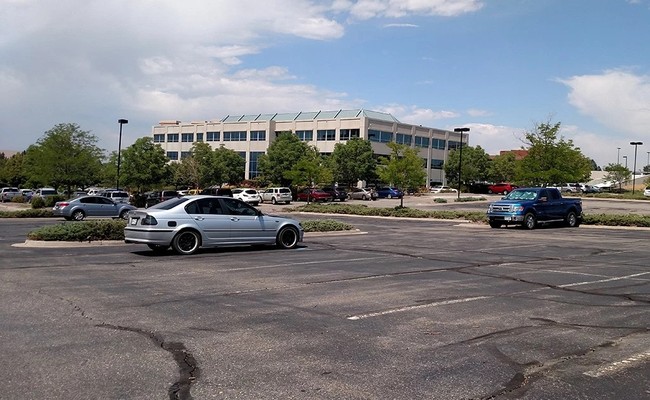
(499, 67)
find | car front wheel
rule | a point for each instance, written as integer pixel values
(124, 214)
(530, 221)
(186, 242)
(78, 215)
(287, 238)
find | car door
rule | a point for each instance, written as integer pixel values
(246, 223)
(105, 207)
(211, 219)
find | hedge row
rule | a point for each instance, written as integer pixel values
(28, 213)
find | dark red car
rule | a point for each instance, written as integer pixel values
(314, 195)
(503, 188)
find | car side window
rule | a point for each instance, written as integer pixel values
(87, 200)
(104, 200)
(237, 207)
(553, 195)
(209, 206)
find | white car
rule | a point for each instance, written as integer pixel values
(646, 192)
(443, 189)
(250, 196)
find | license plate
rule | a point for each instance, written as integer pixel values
(134, 221)
(507, 218)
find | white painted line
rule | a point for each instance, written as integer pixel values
(409, 308)
(604, 280)
(302, 263)
(614, 367)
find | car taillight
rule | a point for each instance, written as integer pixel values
(63, 204)
(149, 220)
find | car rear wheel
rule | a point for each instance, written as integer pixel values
(530, 221)
(390, 196)
(186, 242)
(287, 238)
(273, 200)
(78, 215)
(571, 220)
(490, 191)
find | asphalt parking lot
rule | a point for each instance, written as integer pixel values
(402, 310)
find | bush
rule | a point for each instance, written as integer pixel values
(81, 231)
(38, 202)
(358, 209)
(325, 225)
(467, 199)
(18, 199)
(51, 200)
(27, 213)
(439, 200)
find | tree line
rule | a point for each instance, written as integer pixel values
(67, 157)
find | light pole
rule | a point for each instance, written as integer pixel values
(618, 155)
(625, 157)
(636, 145)
(119, 150)
(460, 156)
(648, 163)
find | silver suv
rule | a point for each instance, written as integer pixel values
(8, 193)
(276, 195)
(117, 196)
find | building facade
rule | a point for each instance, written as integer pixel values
(251, 135)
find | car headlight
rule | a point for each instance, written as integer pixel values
(517, 208)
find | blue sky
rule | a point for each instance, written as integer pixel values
(496, 66)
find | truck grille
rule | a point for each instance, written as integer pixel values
(499, 208)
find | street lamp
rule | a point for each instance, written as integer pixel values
(636, 145)
(119, 149)
(625, 157)
(648, 163)
(618, 155)
(460, 157)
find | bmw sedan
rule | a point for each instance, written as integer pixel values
(191, 222)
(91, 206)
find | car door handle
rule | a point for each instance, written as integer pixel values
(234, 219)
(199, 218)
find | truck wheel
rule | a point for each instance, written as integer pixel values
(571, 220)
(505, 192)
(494, 224)
(530, 221)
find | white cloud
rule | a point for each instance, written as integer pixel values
(401, 26)
(366, 9)
(416, 115)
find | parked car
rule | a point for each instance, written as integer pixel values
(276, 195)
(91, 206)
(590, 189)
(646, 192)
(27, 194)
(314, 195)
(363, 194)
(191, 222)
(217, 191)
(117, 196)
(443, 189)
(44, 192)
(529, 207)
(159, 196)
(389, 193)
(479, 187)
(503, 188)
(250, 196)
(336, 193)
(8, 193)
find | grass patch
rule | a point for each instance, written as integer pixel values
(405, 212)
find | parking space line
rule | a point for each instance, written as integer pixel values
(409, 308)
(618, 278)
(383, 257)
(614, 367)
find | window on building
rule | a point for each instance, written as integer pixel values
(258, 136)
(253, 172)
(172, 137)
(422, 141)
(172, 155)
(234, 136)
(305, 136)
(187, 137)
(380, 136)
(347, 134)
(158, 138)
(437, 164)
(403, 138)
(326, 134)
(452, 144)
(185, 154)
(212, 137)
(199, 136)
(438, 144)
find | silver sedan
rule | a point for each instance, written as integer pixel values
(91, 206)
(191, 222)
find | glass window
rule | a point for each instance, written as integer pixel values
(305, 136)
(403, 138)
(172, 137)
(252, 164)
(185, 154)
(258, 136)
(437, 164)
(438, 144)
(205, 206)
(380, 136)
(187, 137)
(172, 155)
(238, 207)
(347, 134)
(421, 141)
(234, 136)
(452, 144)
(212, 137)
(326, 134)
(158, 138)
(199, 136)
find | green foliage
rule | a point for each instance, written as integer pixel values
(404, 212)
(65, 156)
(143, 164)
(439, 200)
(27, 213)
(403, 168)
(310, 169)
(476, 163)
(617, 173)
(12, 170)
(325, 225)
(18, 199)
(51, 200)
(281, 156)
(503, 168)
(551, 160)
(38, 202)
(353, 161)
(229, 166)
(617, 220)
(83, 231)
(469, 199)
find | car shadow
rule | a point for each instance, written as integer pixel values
(214, 250)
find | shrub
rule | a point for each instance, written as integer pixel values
(51, 200)
(439, 200)
(18, 199)
(27, 213)
(466, 199)
(325, 225)
(38, 202)
(80, 231)
(357, 209)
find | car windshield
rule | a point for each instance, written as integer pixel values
(522, 195)
(120, 194)
(171, 203)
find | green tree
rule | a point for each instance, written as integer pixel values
(353, 161)
(144, 164)
(228, 166)
(197, 170)
(310, 170)
(503, 168)
(476, 165)
(617, 173)
(281, 156)
(551, 160)
(12, 170)
(65, 156)
(403, 168)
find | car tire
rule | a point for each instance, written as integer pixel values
(124, 214)
(530, 221)
(490, 191)
(158, 248)
(287, 238)
(78, 215)
(288, 202)
(273, 201)
(495, 224)
(364, 197)
(571, 220)
(505, 192)
(186, 242)
(390, 196)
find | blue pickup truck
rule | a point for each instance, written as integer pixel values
(530, 206)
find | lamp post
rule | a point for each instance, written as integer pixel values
(625, 157)
(460, 156)
(119, 150)
(636, 145)
(618, 155)
(648, 162)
